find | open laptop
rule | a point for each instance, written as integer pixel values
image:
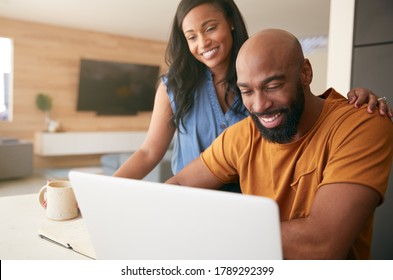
(133, 219)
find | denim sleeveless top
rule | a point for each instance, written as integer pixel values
(203, 123)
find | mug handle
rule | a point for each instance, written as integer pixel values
(41, 197)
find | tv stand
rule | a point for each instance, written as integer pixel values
(87, 143)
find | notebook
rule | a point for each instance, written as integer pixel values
(141, 220)
(71, 234)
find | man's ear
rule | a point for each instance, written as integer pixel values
(307, 73)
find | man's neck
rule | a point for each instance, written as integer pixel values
(312, 109)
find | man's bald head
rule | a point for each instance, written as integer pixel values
(274, 81)
(273, 46)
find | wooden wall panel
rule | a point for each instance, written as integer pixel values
(47, 59)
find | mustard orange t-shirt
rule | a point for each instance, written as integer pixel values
(346, 145)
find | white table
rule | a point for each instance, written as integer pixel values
(20, 218)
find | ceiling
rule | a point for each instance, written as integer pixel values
(151, 19)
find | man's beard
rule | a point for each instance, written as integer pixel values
(285, 132)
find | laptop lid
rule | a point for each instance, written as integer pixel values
(133, 219)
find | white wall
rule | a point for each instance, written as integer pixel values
(339, 62)
(318, 60)
(332, 66)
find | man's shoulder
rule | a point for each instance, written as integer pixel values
(334, 97)
(339, 108)
(345, 117)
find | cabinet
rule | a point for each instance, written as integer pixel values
(372, 63)
(373, 22)
(373, 68)
(87, 143)
(16, 159)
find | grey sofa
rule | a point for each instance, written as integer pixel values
(16, 158)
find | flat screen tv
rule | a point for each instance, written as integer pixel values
(115, 88)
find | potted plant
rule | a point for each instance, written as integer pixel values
(44, 103)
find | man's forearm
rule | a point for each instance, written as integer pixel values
(304, 239)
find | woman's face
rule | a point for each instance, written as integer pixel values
(209, 36)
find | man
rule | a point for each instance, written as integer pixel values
(324, 162)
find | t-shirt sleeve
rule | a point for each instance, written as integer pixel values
(220, 157)
(361, 152)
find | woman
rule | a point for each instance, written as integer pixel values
(197, 96)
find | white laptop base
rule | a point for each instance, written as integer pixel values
(133, 219)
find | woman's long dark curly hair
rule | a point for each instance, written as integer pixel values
(185, 71)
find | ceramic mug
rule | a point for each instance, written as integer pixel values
(58, 198)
